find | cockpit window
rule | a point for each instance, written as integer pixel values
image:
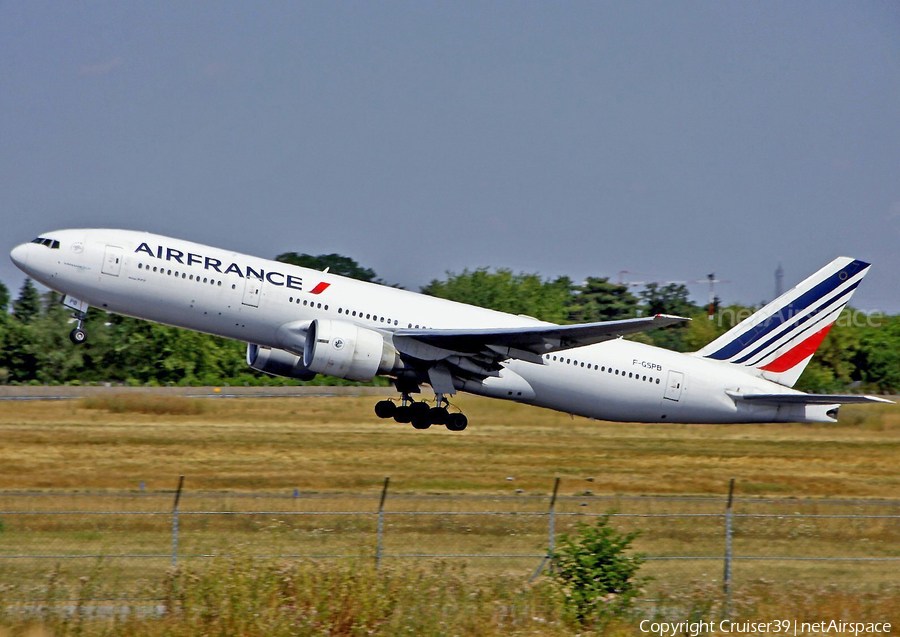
(53, 244)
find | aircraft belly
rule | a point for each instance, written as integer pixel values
(588, 393)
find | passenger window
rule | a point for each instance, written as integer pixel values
(154, 268)
(319, 306)
(326, 307)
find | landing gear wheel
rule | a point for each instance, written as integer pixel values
(385, 409)
(419, 410)
(403, 414)
(77, 336)
(457, 422)
(438, 415)
(421, 422)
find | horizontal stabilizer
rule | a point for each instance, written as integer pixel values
(809, 399)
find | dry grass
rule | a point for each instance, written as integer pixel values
(258, 597)
(336, 444)
(146, 404)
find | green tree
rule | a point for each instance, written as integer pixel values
(4, 298)
(28, 305)
(673, 298)
(876, 362)
(18, 354)
(599, 300)
(336, 264)
(504, 291)
(595, 572)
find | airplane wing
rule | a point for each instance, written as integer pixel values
(527, 343)
(810, 399)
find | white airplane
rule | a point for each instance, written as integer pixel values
(300, 322)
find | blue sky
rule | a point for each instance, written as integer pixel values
(666, 139)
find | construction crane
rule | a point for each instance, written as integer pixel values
(710, 279)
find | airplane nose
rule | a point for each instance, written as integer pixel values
(19, 255)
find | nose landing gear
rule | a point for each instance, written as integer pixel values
(79, 312)
(78, 335)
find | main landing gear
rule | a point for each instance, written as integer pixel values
(421, 414)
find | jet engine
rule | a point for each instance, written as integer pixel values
(344, 350)
(277, 362)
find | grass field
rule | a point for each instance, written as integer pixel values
(336, 444)
(249, 455)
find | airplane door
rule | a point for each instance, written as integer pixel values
(112, 261)
(252, 289)
(674, 386)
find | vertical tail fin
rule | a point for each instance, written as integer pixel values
(779, 340)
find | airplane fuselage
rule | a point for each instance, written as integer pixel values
(246, 298)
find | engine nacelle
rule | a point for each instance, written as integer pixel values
(344, 350)
(277, 362)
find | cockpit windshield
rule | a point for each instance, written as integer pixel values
(53, 244)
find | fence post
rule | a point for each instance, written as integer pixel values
(726, 579)
(551, 526)
(551, 531)
(175, 522)
(379, 546)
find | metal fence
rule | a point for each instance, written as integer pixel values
(134, 537)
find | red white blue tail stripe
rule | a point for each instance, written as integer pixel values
(780, 338)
